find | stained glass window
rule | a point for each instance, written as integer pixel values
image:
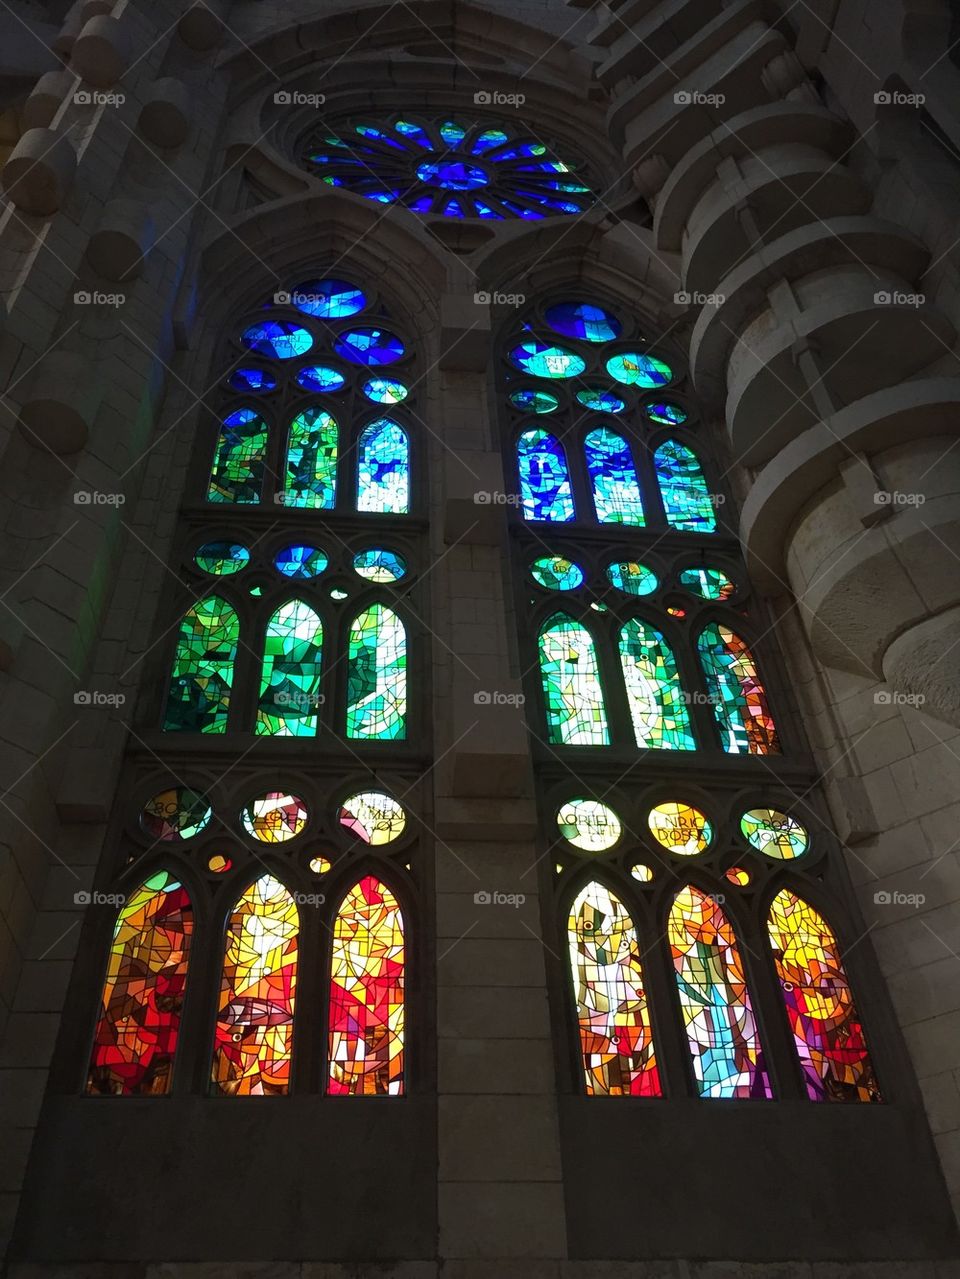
(275, 817)
(600, 400)
(383, 469)
(175, 814)
(658, 706)
(238, 461)
(320, 379)
(824, 1021)
(278, 338)
(616, 491)
(377, 676)
(383, 390)
(379, 565)
(739, 697)
(634, 369)
(774, 834)
(301, 562)
(366, 1037)
(290, 676)
(544, 480)
(328, 299)
(687, 503)
(530, 401)
(680, 828)
(708, 583)
(199, 697)
(253, 1040)
(221, 559)
(542, 359)
(583, 320)
(631, 578)
(556, 573)
(724, 1041)
(136, 1037)
(576, 715)
(589, 825)
(370, 347)
(250, 379)
(616, 1037)
(373, 817)
(311, 471)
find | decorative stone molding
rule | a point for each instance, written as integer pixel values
(782, 74)
(922, 664)
(123, 239)
(650, 175)
(101, 52)
(165, 115)
(201, 27)
(60, 403)
(47, 98)
(39, 172)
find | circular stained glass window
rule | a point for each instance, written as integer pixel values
(631, 578)
(451, 175)
(178, 813)
(301, 561)
(600, 401)
(680, 828)
(737, 875)
(221, 559)
(583, 320)
(639, 370)
(320, 379)
(371, 347)
(320, 865)
(641, 873)
(666, 414)
(380, 566)
(708, 583)
(373, 817)
(774, 833)
(540, 360)
(250, 379)
(328, 299)
(219, 864)
(530, 401)
(589, 825)
(382, 390)
(274, 818)
(556, 573)
(279, 338)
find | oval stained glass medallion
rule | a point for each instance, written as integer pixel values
(680, 828)
(589, 825)
(708, 583)
(301, 561)
(538, 359)
(600, 401)
(320, 379)
(774, 833)
(383, 390)
(279, 338)
(633, 369)
(274, 818)
(380, 566)
(631, 578)
(373, 817)
(370, 347)
(530, 401)
(221, 559)
(177, 813)
(556, 574)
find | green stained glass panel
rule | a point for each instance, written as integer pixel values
(311, 471)
(199, 696)
(377, 676)
(661, 720)
(238, 461)
(708, 583)
(576, 715)
(686, 501)
(290, 677)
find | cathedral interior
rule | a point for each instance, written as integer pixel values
(480, 639)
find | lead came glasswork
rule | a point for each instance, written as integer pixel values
(708, 583)
(616, 491)
(377, 676)
(380, 566)
(576, 715)
(320, 379)
(198, 700)
(826, 1027)
(238, 461)
(774, 833)
(545, 490)
(686, 501)
(290, 675)
(740, 699)
(221, 559)
(279, 338)
(631, 578)
(373, 817)
(589, 825)
(311, 473)
(371, 347)
(275, 817)
(383, 469)
(175, 814)
(328, 299)
(583, 320)
(539, 402)
(639, 370)
(616, 1037)
(556, 573)
(540, 359)
(658, 711)
(300, 562)
(680, 828)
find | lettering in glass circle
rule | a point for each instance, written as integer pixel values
(556, 573)
(274, 818)
(708, 583)
(373, 817)
(177, 813)
(774, 833)
(634, 369)
(250, 379)
(540, 360)
(451, 175)
(371, 347)
(380, 566)
(301, 561)
(666, 414)
(328, 299)
(383, 390)
(221, 559)
(320, 379)
(279, 338)
(631, 578)
(600, 401)
(589, 825)
(583, 320)
(680, 828)
(530, 401)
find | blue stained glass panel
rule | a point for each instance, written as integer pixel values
(451, 175)
(600, 401)
(686, 500)
(616, 491)
(279, 338)
(250, 379)
(530, 401)
(382, 390)
(487, 140)
(320, 379)
(545, 490)
(300, 562)
(328, 299)
(633, 369)
(383, 469)
(371, 347)
(541, 360)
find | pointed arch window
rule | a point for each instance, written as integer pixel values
(658, 709)
(239, 459)
(290, 675)
(616, 1037)
(311, 463)
(366, 1020)
(383, 469)
(573, 693)
(545, 491)
(377, 676)
(253, 1039)
(198, 700)
(135, 1042)
(721, 1029)
(738, 695)
(826, 1027)
(613, 477)
(683, 489)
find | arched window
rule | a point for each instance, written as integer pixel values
(737, 692)
(714, 999)
(366, 1018)
(824, 1021)
(135, 1042)
(687, 502)
(616, 492)
(199, 697)
(253, 1040)
(576, 715)
(290, 675)
(377, 676)
(616, 1037)
(311, 468)
(239, 458)
(383, 469)
(658, 709)
(545, 491)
